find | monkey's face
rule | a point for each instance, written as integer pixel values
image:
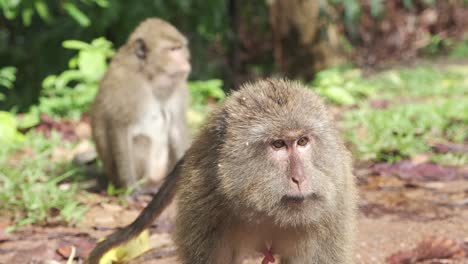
(172, 59)
(165, 60)
(282, 160)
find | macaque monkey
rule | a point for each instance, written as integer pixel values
(268, 173)
(138, 118)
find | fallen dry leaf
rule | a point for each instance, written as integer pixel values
(380, 103)
(111, 207)
(82, 243)
(410, 171)
(431, 248)
(450, 147)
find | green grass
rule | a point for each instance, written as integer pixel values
(423, 81)
(405, 130)
(450, 159)
(428, 104)
(31, 185)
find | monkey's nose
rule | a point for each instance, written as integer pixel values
(298, 180)
(186, 67)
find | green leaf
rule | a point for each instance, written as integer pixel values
(76, 13)
(75, 44)
(7, 76)
(26, 15)
(8, 129)
(339, 95)
(102, 3)
(49, 81)
(29, 119)
(376, 7)
(92, 64)
(42, 10)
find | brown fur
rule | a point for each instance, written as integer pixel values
(232, 188)
(139, 114)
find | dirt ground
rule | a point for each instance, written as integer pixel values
(425, 220)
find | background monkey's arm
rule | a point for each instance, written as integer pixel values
(122, 149)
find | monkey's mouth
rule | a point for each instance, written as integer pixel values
(298, 199)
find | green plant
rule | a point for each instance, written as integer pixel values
(27, 189)
(70, 93)
(437, 45)
(460, 50)
(26, 10)
(9, 134)
(7, 79)
(342, 85)
(203, 94)
(450, 159)
(405, 130)
(423, 81)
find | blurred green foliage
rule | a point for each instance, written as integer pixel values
(204, 95)
(70, 93)
(422, 81)
(437, 45)
(7, 79)
(9, 134)
(32, 32)
(342, 85)
(26, 10)
(203, 91)
(459, 50)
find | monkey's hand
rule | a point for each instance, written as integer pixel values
(127, 251)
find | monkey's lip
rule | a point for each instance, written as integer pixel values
(299, 198)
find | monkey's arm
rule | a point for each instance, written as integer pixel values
(179, 136)
(157, 205)
(121, 145)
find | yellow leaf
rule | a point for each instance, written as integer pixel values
(127, 251)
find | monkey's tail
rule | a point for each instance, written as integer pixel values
(157, 205)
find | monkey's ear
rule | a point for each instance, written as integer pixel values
(140, 48)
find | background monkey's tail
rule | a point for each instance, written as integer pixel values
(157, 205)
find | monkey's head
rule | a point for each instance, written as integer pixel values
(282, 157)
(160, 51)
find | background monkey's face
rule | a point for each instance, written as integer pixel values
(171, 58)
(161, 52)
(281, 155)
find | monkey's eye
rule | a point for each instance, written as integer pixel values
(278, 144)
(174, 48)
(303, 141)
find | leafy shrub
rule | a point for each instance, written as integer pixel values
(70, 93)
(421, 81)
(203, 94)
(9, 134)
(27, 9)
(460, 50)
(203, 91)
(342, 85)
(7, 79)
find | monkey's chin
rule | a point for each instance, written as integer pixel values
(300, 209)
